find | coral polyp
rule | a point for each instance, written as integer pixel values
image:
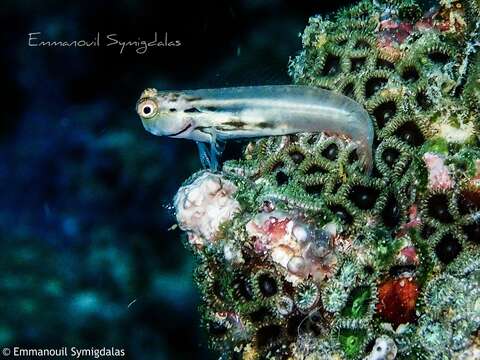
(302, 254)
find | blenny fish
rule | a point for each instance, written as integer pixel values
(212, 116)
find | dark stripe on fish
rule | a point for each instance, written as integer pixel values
(235, 123)
(265, 125)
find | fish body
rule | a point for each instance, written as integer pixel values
(215, 115)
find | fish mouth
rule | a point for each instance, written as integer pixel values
(181, 131)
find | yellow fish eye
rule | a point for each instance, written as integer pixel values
(147, 108)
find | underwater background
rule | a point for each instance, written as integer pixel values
(86, 256)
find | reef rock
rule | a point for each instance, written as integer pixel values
(301, 254)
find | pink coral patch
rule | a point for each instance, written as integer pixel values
(438, 175)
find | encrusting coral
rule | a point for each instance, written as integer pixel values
(302, 255)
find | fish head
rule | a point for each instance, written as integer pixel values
(166, 113)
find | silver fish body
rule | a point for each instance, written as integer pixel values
(212, 115)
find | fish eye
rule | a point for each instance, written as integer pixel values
(147, 108)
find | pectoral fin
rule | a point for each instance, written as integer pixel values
(203, 153)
